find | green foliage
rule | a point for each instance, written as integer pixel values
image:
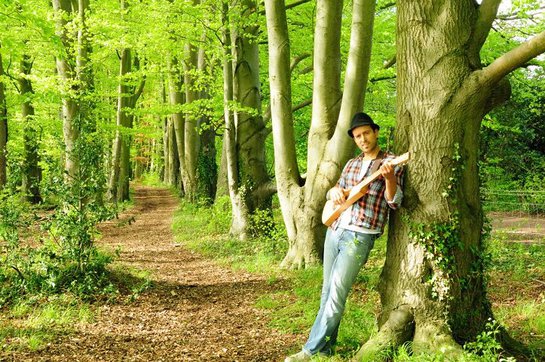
(487, 345)
(440, 239)
(12, 218)
(512, 144)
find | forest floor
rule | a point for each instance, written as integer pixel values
(194, 309)
(519, 227)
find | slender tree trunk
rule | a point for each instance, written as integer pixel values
(166, 161)
(178, 124)
(173, 159)
(329, 145)
(207, 170)
(240, 214)
(32, 172)
(70, 68)
(222, 188)
(121, 137)
(3, 129)
(192, 139)
(432, 284)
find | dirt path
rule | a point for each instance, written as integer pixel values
(519, 227)
(194, 311)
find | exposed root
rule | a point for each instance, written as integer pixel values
(513, 347)
(398, 329)
(437, 338)
(294, 261)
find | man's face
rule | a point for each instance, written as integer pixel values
(365, 138)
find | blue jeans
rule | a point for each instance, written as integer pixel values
(345, 252)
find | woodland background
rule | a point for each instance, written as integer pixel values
(98, 94)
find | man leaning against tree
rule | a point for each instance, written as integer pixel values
(352, 236)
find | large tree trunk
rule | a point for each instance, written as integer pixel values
(3, 129)
(32, 172)
(250, 128)
(329, 145)
(432, 284)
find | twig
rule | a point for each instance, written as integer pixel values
(539, 281)
(18, 272)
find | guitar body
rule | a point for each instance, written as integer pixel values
(331, 211)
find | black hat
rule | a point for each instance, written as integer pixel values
(362, 119)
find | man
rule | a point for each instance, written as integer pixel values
(351, 237)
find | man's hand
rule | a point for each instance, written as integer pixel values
(387, 171)
(337, 195)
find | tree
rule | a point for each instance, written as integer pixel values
(207, 169)
(3, 128)
(72, 69)
(432, 284)
(250, 127)
(127, 97)
(239, 218)
(329, 147)
(31, 170)
(248, 181)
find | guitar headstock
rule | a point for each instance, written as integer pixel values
(402, 159)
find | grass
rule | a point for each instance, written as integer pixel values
(31, 324)
(515, 272)
(517, 280)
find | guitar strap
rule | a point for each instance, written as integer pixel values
(377, 161)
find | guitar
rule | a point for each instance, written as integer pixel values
(332, 211)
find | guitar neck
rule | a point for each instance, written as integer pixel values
(361, 188)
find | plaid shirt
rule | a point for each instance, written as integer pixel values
(371, 210)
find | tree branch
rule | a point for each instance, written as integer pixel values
(386, 77)
(514, 59)
(487, 13)
(290, 6)
(301, 105)
(298, 60)
(297, 3)
(138, 93)
(265, 190)
(267, 115)
(390, 63)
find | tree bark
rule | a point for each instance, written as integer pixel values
(176, 97)
(207, 171)
(3, 129)
(222, 188)
(191, 126)
(432, 284)
(32, 172)
(240, 213)
(250, 128)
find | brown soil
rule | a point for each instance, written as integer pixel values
(195, 310)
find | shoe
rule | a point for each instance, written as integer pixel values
(301, 356)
